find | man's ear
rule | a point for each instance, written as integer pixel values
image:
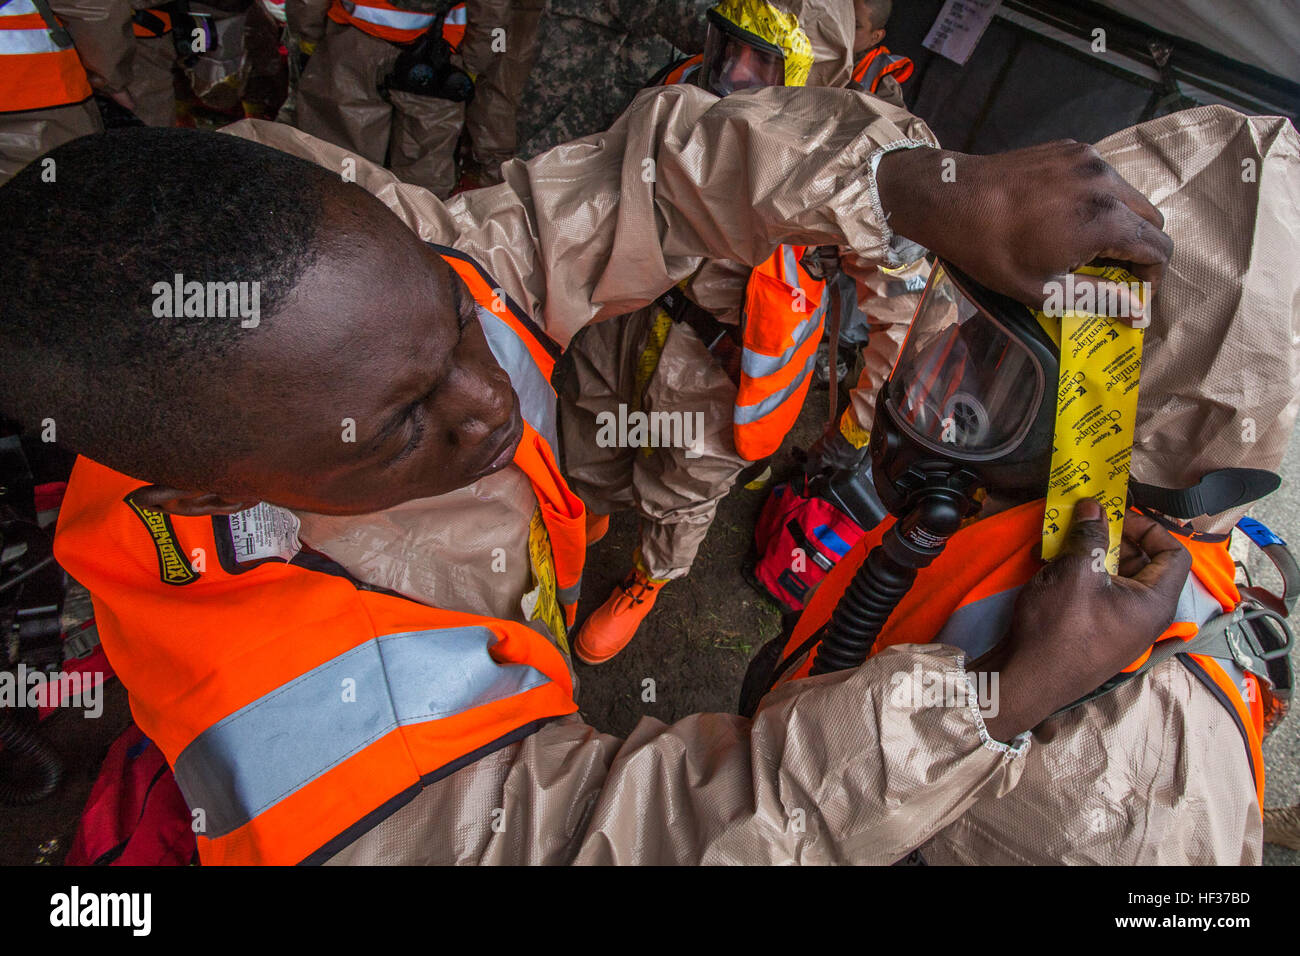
(878, 37)
(190, 504)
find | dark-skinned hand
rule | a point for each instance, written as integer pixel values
(1016, 221)
(1075, 626)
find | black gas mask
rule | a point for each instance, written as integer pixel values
(424, 67)
(969, 406)
(971, 401)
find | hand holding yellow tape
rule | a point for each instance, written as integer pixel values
(1096, 408)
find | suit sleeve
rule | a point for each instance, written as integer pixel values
(844, 768)
(603, 225)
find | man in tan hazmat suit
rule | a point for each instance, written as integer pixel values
(47, 75)
(1220, 388)
(355, 46)
(574, 236)
(663, 360)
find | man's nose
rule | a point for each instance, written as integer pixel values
(486, 402)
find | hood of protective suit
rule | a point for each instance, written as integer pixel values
(829, 26)
(1221, 359)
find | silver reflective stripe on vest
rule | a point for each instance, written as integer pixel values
(747, 414)
(789, 267)
(536, 397)
(977, 626)
(456, 16)
(267, 750)
(570, 594)
(877, 67)
(757, 365)
(397, 19)
(18, 42)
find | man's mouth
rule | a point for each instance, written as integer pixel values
(503, 442)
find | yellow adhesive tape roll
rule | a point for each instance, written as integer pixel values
(1096, 408)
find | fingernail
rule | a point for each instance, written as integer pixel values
(1087, 509)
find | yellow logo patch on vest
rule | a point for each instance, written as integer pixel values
(173, 566)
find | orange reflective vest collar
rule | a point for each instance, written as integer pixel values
(681, 72)
(297, 709)
(529, 355)
(876, 64)
(965, 599)
(394, 24)
(38, 69)
(784, 314)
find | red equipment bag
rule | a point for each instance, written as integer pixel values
(136, 815)
(797, 541)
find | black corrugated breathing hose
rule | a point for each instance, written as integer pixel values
(25, 747)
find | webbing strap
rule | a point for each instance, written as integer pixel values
(58, 33)
(1229, 635)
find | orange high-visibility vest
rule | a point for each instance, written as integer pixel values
(785, 311)
(875, 65)
(383, 20)
(296, 708)
(151, 23)
(39, 67)
(453, 28)
(680, 72)
(782, 325)
(966, 597)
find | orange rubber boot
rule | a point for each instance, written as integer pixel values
(597, 527)
(613, 625)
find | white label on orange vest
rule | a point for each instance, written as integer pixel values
(265, 531)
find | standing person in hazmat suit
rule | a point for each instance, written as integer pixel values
(335, 577)
(53, 58)
(382, 80)
(731, 351)
(1220, 387)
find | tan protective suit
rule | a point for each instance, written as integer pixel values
(1223, 349)
(101, 33)
(578, 235)
(152, 85)
(887, 301)
(498, 87)
(216, 77)
(338, 97)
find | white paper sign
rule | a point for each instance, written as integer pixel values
(959, 26)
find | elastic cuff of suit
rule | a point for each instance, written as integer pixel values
(1009, 750)
(899, 250)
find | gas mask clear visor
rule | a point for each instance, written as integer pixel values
(970, 380)
(735, 59)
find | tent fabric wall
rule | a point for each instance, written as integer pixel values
(1021, 87)
(1263, 33)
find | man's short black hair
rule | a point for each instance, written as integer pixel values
(879, 11)
(85, 241)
